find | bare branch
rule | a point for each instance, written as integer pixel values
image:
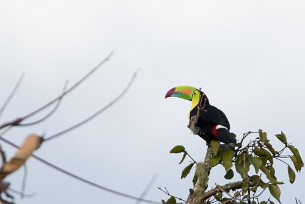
(81, 179)
(143, 194)
(190, 156)
(96, 113)
(49, 114)
(9, 98)
(297, 201)
(17, 121)
(21, 194)
(25, 175)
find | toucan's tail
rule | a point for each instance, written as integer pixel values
(223, 134)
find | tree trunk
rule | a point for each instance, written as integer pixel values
(202, 171)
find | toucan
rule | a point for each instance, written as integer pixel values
(205, 120)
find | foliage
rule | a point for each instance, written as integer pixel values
(253, 162)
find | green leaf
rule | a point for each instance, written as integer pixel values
(256, 162)
(171, 200)
(296, 163)
(282, 138)
(224, 200)
(268, 174)
(263, 154)
(270, 148)
(272, 172)
(215, 159)
(257, 180)
(218, 196)
(275, 191)
(214, 145)
(229, 175)
(187, 170)
(183, 157)
(291, 175)
(227, 158)
(242, 164)
(263, 202)
(297, 156)
(239, 145)
(177, 149)
(262, 136)
(237, 194)
(195, 178)
(245, 187)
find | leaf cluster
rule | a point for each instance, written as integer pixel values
(180, 149)
(254, 162)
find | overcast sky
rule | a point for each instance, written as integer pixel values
(248, 56)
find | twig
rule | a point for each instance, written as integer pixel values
(260, 193)
(222, 190)
(17, 121)
(96, 113)
(167, 193)
(297, 201)
(25, 175)
(79, 178)
(143, 194)
(242, 140)
(50, 113)
(282, 160)
(6, 129)
(11, 94)
(190, 156)
(23, 195)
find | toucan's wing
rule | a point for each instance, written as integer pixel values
(213, 115)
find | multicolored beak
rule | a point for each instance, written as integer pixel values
(185, 92)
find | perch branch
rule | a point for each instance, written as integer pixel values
(203, 172)
(227, 187)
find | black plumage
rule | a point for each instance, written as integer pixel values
(212, 124)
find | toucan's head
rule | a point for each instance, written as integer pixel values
(187, 93)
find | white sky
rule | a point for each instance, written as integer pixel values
(248, 56)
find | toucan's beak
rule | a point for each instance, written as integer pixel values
(185, 92)
(170, 93)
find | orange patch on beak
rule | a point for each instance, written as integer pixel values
(188, 92)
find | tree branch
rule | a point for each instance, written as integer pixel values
(96, 113)
(202, 171)
(81, 179)
(49, 114)
(17, 121)
(9, 98)
(227, 187)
